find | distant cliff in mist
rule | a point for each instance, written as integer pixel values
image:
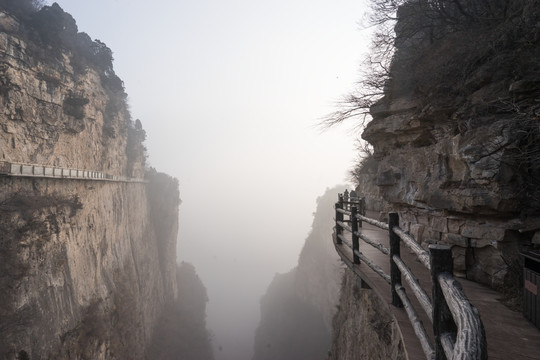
(87, 268)
(182, 333)
(297, 309)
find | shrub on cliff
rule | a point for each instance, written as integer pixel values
(22, 9)
(56, 31)
(365, 165)
(135, 149)
(465, 64)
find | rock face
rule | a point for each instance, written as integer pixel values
(363, 327)
(84, 271)
(58, 110)
(87, 267)
(456, 136)
(297, 309)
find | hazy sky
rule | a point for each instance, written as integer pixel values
(229, 93)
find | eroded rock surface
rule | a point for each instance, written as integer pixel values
(456, 138)
(363, 327)
(86, 267)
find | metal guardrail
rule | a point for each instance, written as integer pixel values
(43, 171)
(458, 329)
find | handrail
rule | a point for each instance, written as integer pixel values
(373, 222)
(418, 327)
(448, 343)
(344, 226)
(374, 266)
(368, 262)
(420, 294)
(375, 244)
(471, 338)
(420, 253)
(458, 329)
(54, 172)
(345, 212)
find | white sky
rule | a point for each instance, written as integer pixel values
(229, 93)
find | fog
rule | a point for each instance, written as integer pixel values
(230, 93)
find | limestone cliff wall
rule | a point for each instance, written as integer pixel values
(56, 113)
(319, 268)
(456, 136)
(363, 327)
(82, 271)
(86, 267)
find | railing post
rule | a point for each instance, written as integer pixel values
(395, 273)
(355, 240)
(339, 217)
(441, 261)
(362, 209)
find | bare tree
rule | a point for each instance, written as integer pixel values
(365, 162)
(403, 29)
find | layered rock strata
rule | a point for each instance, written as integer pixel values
(456, 137)
(87, 267)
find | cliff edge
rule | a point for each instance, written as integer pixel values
(455, 135)
(87, 267)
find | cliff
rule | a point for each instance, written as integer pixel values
(363, 327)
(62, 104)
(182, 332)
(455, 152)
(455, 136)
(87, 267)
(297, 309)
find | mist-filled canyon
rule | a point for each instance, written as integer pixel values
(172, 176)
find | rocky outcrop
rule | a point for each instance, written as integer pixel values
(59, 111)
(87, 267)
(363, 327)
(297, 309)
(456, 136)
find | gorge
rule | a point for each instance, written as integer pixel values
(90, 268)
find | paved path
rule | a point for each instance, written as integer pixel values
(509, 335)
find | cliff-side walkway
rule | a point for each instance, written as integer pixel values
(509, 335)
(54, 172)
